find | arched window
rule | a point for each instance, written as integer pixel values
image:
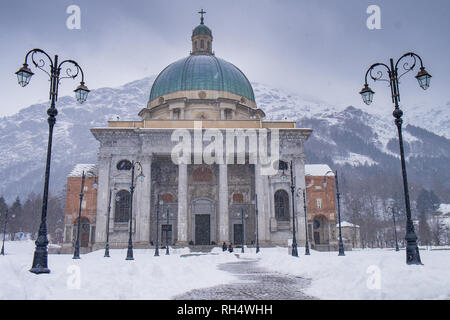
(167, 198)
(202, 174)
(122, 213)
(84, 231)
(238, 198)
(209, 45)
(195, 45)
(124, 165)
(202, 44)
(281, 205)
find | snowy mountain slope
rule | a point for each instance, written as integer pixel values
(343, 135)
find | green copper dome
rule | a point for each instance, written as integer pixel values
(202, 72)
(201, 29)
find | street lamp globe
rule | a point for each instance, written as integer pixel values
(424, 78)
(140, 177)
(367, 94)
(81, 92)
(24, 75)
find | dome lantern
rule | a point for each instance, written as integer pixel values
(201, 37)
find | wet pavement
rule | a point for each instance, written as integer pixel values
(254, 283)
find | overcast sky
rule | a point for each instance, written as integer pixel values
(319, 49)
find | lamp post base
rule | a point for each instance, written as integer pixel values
(130, 254)
(40, 270)
(107, 252)
(294, 250)
(40, 257)
(412, 253)
(307, 249)
(341, 249)
(76, 254)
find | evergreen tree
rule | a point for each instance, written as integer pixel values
(426, 203)
(55, 219)
(32, 213)
(3, 210)
(15, 217)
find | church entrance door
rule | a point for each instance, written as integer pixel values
(202, 229)
(237, 233)
(317, 238)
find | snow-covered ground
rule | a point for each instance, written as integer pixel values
(361, 274)
(96, 277)
(366, 274)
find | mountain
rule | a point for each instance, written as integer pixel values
(359, 143)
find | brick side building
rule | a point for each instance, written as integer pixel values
(321, 207)
(88, 206)
(323, 229)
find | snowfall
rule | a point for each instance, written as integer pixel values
(360, 274)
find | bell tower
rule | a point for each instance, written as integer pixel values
(202, 37)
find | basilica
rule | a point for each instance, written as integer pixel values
(201, 167)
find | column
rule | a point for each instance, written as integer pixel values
(143, 197)
(182, 204)
(104, 163)
(261, 189)
(224, 234)
(299, 173)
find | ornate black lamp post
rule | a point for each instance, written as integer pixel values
(4, 232)
(24, 74)
(282, 165)
(306, 221)
(160, 203)
(140, 176)
(395, 228)
(243, 217)
(76, 253)
(338, 196)
(423, 77)
(306, 216)
(107, 221)
(167, 230)
(255, 202)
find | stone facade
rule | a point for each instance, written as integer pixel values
(220, 191)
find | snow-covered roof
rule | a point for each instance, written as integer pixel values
(317, 169)
(444, 208)
(90, 170)
(347, 224)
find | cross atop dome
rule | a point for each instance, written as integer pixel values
(201, 17)
(202, 37)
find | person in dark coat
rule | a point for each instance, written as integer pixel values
(224, 246)
(230, 248)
